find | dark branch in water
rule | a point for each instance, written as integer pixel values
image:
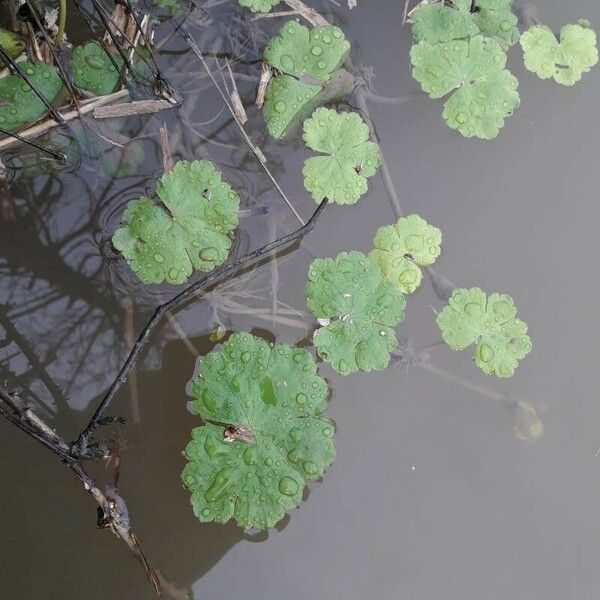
(112, 510)
(82, 446)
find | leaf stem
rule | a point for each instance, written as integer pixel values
(62, 21)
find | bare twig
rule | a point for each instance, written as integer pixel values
(112, 509)
(236, 100)
(265, 77)
(126, 109)
(47, 125)
(310, 14)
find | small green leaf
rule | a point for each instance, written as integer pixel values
(93, 70)
(502, 25)
(348, 160)
(187, 229)
(494, 4)
(440, 23)
(12, 43)
(265, 434)
(19, 104)
(399, 250)
(487, 92)
(306, 59)
(489, 322)
(285, 98)
(361, 308)
(263, 6)
(565, 61)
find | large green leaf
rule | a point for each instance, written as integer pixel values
(486, 93)
(471, 317)
(565, 61)
(265, 434)
(188, 228)
(306, 59)
(19, 104)
(358, 310)
(399, 249)
(349, 158)
(93, 69)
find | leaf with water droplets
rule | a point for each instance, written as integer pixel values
(187, 228)
(362, 308)
(263, 6)
(19, 104)
(299, 54)
(442, 23)
(93, 70)
(348, 159)
(439, 22)
(472, 317)
(500, 23)
(399, 249)
(484, 92)
(265, 434)
(565, 61)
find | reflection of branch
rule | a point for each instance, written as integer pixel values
(82, 443)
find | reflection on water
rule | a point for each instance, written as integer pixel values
(433, 494)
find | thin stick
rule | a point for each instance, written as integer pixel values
(16, 136)
(47, 125)
(133, 380)
(311, 15)
(212, 278)
(257, 152)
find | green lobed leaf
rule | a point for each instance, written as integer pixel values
(565, 61)
(500, 24)
(273, 397)
(348, 160)
(306, 59)
(93, 70)
(485, 92)
(285, 99)
(263, 6)
(440, 23)
(471, 317)
(361, 308)
(399, 249)
(19, 104)
(187, 228)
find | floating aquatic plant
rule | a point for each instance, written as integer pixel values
(93, 69)
(565, 61)
(471, 317)
(259, 5)
(440, 22)
(19, 104)
(399, 249)
(357, 309)
(12, 43)
(348, 159)
(306, 59)
(484, 93)
(265, 435)
(187, 228)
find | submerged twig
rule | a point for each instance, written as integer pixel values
(127, 109)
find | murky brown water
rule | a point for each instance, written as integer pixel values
(431, 496)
